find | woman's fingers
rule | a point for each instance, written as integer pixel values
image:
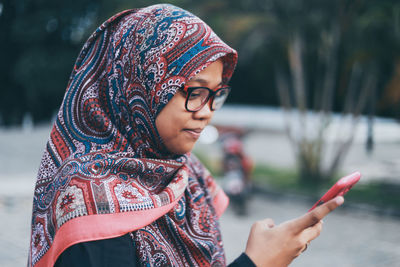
(262, 225)
(316, 215)
(270, 245)
(311, 233)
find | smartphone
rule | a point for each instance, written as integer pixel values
(339, 189)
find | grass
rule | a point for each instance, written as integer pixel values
(381, 195)
(212, 164)
(378, 194)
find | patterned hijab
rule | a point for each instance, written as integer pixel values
(105, 171)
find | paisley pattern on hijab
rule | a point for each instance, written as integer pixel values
(105, 171)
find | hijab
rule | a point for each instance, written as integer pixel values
(105, 171)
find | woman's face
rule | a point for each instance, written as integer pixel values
(179, 129)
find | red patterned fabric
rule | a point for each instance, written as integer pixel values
(105, 171)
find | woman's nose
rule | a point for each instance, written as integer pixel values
(205, 112)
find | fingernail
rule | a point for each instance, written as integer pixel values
(339, 200)
(322, 221)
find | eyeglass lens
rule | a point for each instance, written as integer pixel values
(199, 96)
(219, 98)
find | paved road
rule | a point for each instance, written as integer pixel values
(15, 225)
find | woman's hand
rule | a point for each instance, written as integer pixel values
(270, 245)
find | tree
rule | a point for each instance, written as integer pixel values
(341, 62)
(41, 40)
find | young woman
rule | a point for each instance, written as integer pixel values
(117, 185)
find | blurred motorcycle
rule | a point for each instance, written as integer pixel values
(237, 168)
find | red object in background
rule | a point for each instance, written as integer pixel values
(237, 167)
(233, 146)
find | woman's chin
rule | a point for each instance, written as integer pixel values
(181, 150)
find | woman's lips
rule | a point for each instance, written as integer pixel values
(194, 132)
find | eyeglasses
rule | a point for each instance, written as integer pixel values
(197, 97)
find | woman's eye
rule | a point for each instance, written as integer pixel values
(194, 95)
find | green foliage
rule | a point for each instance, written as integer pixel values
(279, 178)
(212, 164)
(383, 196)
(40, 40)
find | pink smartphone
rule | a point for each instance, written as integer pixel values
(339, 189)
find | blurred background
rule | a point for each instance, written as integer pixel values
(316, 95)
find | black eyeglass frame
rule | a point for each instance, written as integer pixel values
(211, 94)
